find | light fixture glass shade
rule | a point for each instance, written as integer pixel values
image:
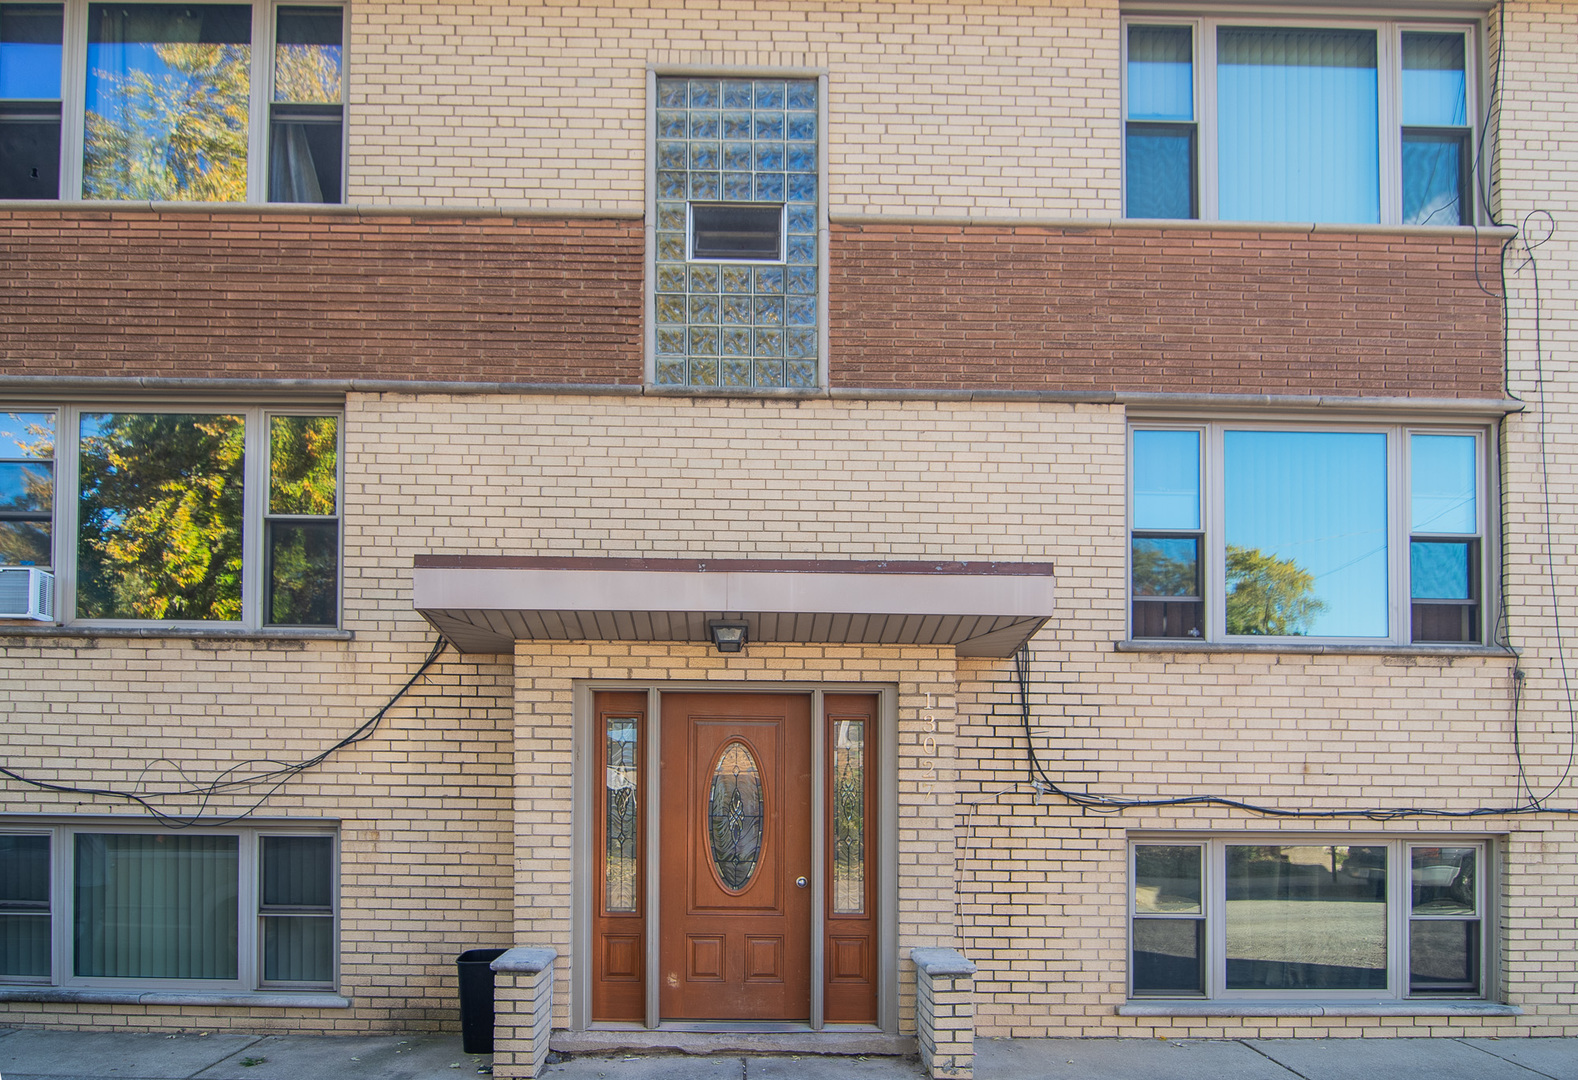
(729, 636)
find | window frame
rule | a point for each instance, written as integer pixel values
(1399, 915)
(1390, 128)
(260, 103)
(1213, 547)
(249, 910)
(65, 518)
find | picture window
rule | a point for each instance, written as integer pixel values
(1245, 532)
(1367, 123)
(165, 526)
(166, 110)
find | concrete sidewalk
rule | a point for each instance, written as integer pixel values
(27, 1054)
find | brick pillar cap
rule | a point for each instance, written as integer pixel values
(936, 962)
(525, 961)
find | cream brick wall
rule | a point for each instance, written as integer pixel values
(470, 785)
(1042, 889)
(437, 817)
(932, 106)
(423, 807)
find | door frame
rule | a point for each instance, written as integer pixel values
(583, 841)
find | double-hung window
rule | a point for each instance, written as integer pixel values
(176, 517)
(1354, 122)
(99, 906)
(27, 489)
(172, 102)
(1270, 917)
(738, 222)
(1249, 531)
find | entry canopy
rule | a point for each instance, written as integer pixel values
(486, 603)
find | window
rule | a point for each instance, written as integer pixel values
(93, 906)
(1372, 918)
(738, 211)
(164, 527)
(30, 55)
(164, 110)
(1243, 532)
(27, 488)
(1362, 123)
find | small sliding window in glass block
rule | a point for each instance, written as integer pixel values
(733, 233)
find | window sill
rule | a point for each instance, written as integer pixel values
(1312, 648)
(260, 999)
(20, 629)
(1316, 1008)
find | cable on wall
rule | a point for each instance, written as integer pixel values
(276, 775)
(1548, 222)
(1102, 804)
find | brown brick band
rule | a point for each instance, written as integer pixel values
(1190, 311)
(263, 296)
(190, 294)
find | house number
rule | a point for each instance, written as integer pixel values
(928, 762)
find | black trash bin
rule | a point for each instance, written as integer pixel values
(476, 999)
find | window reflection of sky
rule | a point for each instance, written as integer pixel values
(1318, 500)
(1161, 73)
(1435, 86)
(110, 65)
(1166, 479)
(29, 71)
(26, 435)
(1443, 484)
(1298, 128)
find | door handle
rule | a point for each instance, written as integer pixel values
(800, 882)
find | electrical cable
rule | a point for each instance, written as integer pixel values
(1481, 176)
(1103, 804)
(1532, 264)
(277, 775)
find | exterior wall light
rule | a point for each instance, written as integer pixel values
(729, 636)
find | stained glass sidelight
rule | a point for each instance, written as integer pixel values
(734, 815)
(849, 817)
(620, 816)
(750, 320)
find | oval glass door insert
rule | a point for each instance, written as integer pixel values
(734, 815)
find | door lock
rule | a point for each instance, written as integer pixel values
(800, 882)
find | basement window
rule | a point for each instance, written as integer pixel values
(1364, 919)
(88, 907)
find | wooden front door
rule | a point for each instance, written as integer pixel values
(735, 859)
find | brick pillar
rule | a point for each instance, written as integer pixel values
(522, 1011)
(945, 1012)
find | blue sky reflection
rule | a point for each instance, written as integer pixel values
(1318, 500)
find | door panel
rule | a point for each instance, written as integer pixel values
(618, 917)
(735, 792)
(849, 988)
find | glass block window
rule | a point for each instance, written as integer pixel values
(749, 320)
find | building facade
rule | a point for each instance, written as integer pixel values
(1133, 441)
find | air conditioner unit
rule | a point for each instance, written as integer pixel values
(26, 592)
